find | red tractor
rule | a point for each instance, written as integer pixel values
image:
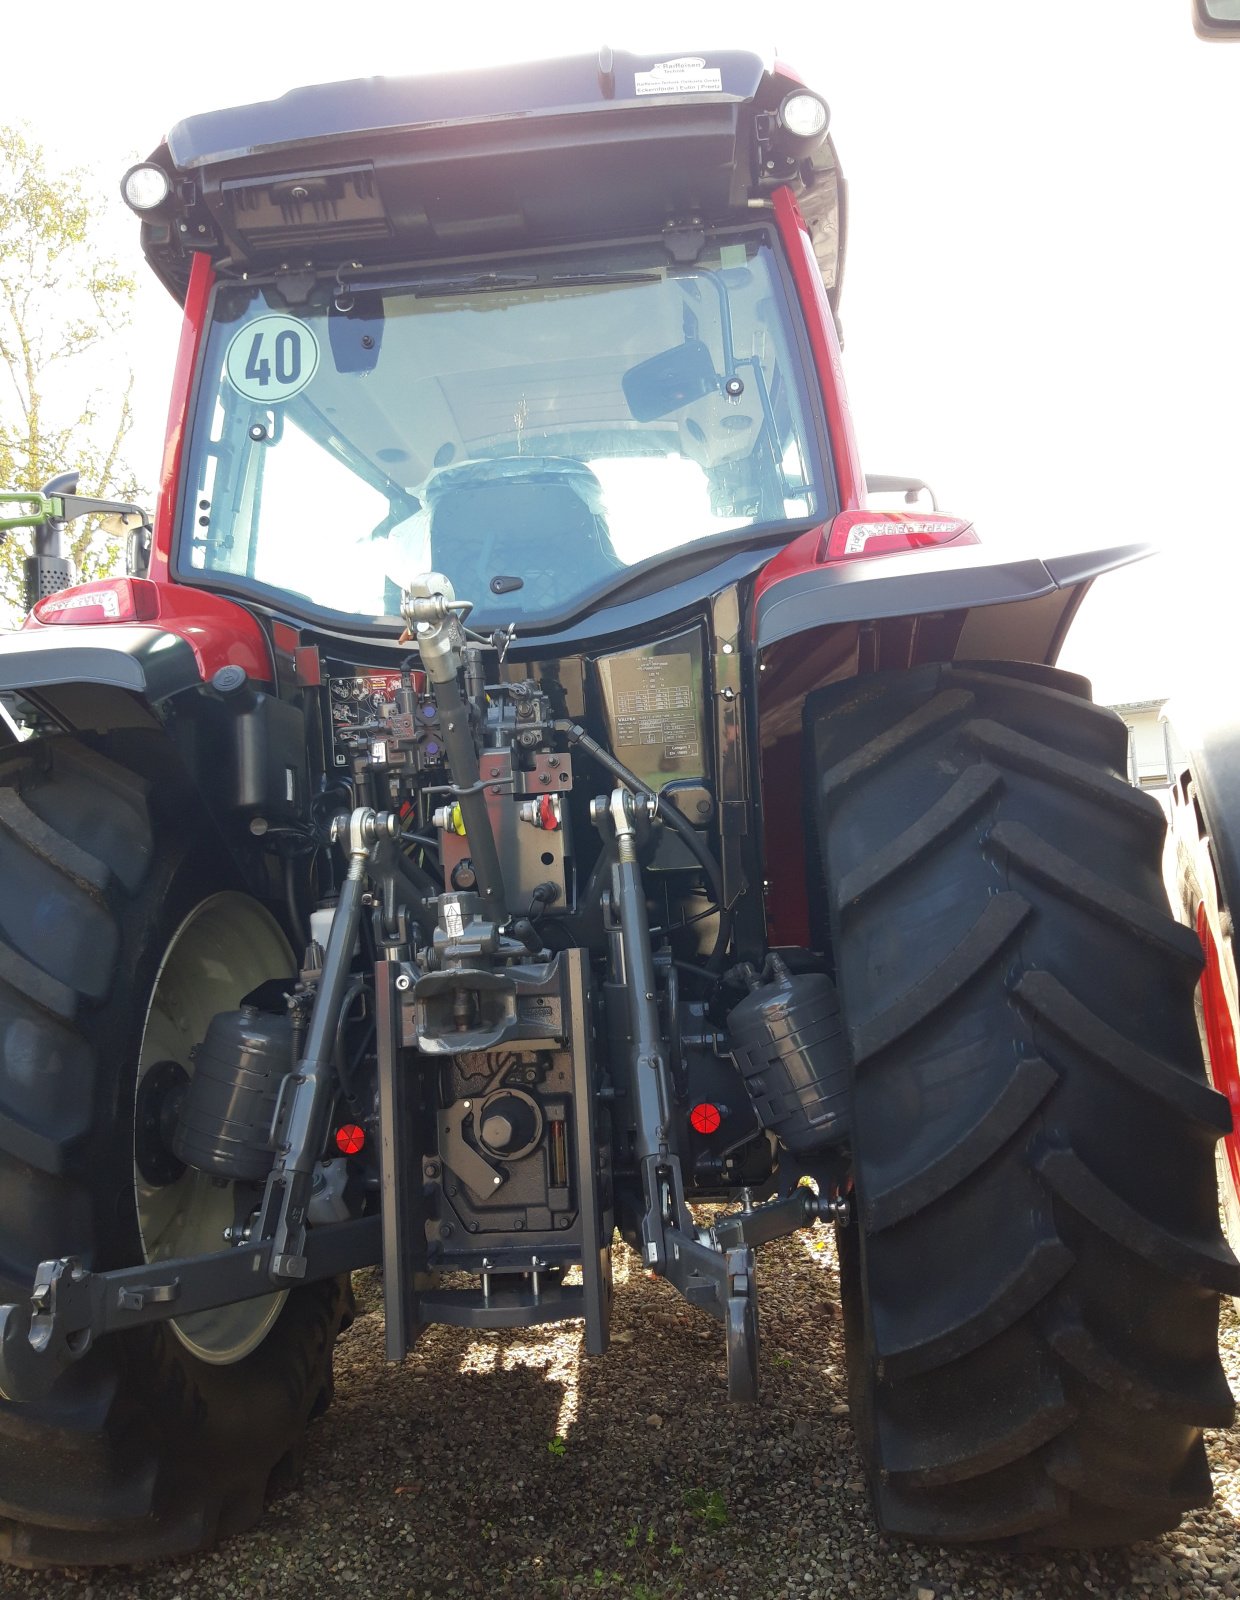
(521, 790)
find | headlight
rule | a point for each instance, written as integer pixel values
(804, 115)
(145, 187)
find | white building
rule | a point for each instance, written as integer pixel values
(1154, 754)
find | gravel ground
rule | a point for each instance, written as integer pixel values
(505, 1464)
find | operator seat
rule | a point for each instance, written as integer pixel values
(538, 519)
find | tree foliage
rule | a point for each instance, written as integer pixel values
(62, 305)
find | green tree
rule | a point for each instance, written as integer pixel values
(62, 305)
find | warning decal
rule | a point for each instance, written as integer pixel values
(685, 75)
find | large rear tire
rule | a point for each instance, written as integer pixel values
(118, 935)
(1032, 1279)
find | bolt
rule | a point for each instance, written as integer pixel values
(472, 1226)
(431, 1169)
(545, 778)
(299, 191)
(728, 649)
(562, 1222)
(729, 694)
(402, 981)
(466, 1104)
(445, 1230)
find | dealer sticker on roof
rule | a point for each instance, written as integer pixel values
(685, 75)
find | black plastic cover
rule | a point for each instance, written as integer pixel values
(789, 1042)
(226, 1116)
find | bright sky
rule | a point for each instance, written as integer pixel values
(1040, 300)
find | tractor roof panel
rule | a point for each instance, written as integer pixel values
(506, 158)
(572, 86)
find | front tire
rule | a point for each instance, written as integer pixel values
(1032, 1280)
(119, 934)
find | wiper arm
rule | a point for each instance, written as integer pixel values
(474, 281)
(477, 281)
(604, 277)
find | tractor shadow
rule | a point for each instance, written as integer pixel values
(508, 1464)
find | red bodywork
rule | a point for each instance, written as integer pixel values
(783, 822)
(193, 325)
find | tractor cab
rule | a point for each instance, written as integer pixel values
(540, 352)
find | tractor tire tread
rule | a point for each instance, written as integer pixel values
(1031, 1298)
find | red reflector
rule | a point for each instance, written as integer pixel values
(883, 533)
(705, 1117)
(109, 600)
(350, 1138)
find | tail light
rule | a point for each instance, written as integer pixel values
(883, 533)
(109, 600)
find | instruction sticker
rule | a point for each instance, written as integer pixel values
(685, 75)
(271, 359)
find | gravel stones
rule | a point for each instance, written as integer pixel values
(443, 1477)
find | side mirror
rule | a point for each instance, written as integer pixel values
(675, 377)
(910, 488)
(1217, 19)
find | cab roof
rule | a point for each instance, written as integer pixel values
(402, 169)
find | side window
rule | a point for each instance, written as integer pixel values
(310, 515)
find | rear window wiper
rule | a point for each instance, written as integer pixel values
(604, 277)
(481, 281)
(474, 281)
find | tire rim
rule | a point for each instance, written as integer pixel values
(227, 946)
(1220, 1039)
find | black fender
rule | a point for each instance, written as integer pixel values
(151, 663)
(1037, 597)
(242, 751)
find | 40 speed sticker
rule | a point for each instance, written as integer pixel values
(272, 359)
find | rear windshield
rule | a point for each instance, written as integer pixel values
(534, 430)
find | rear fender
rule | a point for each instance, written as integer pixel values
(238, 746)
(814, 621)
(797, 591)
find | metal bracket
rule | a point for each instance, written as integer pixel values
(474, 1171)
(69, 1307)
(742, 1327)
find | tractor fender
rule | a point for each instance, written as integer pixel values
(238, 743)
(150, 662)
(796, 593)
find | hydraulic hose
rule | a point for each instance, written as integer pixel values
(673, 816)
